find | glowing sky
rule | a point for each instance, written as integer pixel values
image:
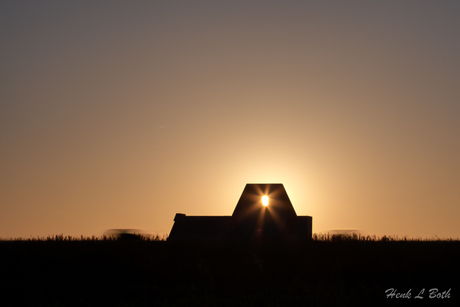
(120, 114)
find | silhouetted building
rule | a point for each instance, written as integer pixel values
(263, 213)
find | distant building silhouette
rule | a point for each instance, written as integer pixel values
(256, 218)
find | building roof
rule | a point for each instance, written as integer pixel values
(250, 202)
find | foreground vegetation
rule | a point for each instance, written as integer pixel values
(146, 237)
(61, 237)
(326, 271)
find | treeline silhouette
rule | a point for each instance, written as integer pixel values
(329, 270)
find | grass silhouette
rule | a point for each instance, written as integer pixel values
(329, 270)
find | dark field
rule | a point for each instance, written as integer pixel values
(322, 272)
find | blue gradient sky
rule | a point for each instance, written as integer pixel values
(117, 114)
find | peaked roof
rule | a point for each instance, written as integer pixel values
(250, 202)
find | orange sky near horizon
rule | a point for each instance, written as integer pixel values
(121, 114)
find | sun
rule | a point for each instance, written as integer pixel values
(265, 200)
